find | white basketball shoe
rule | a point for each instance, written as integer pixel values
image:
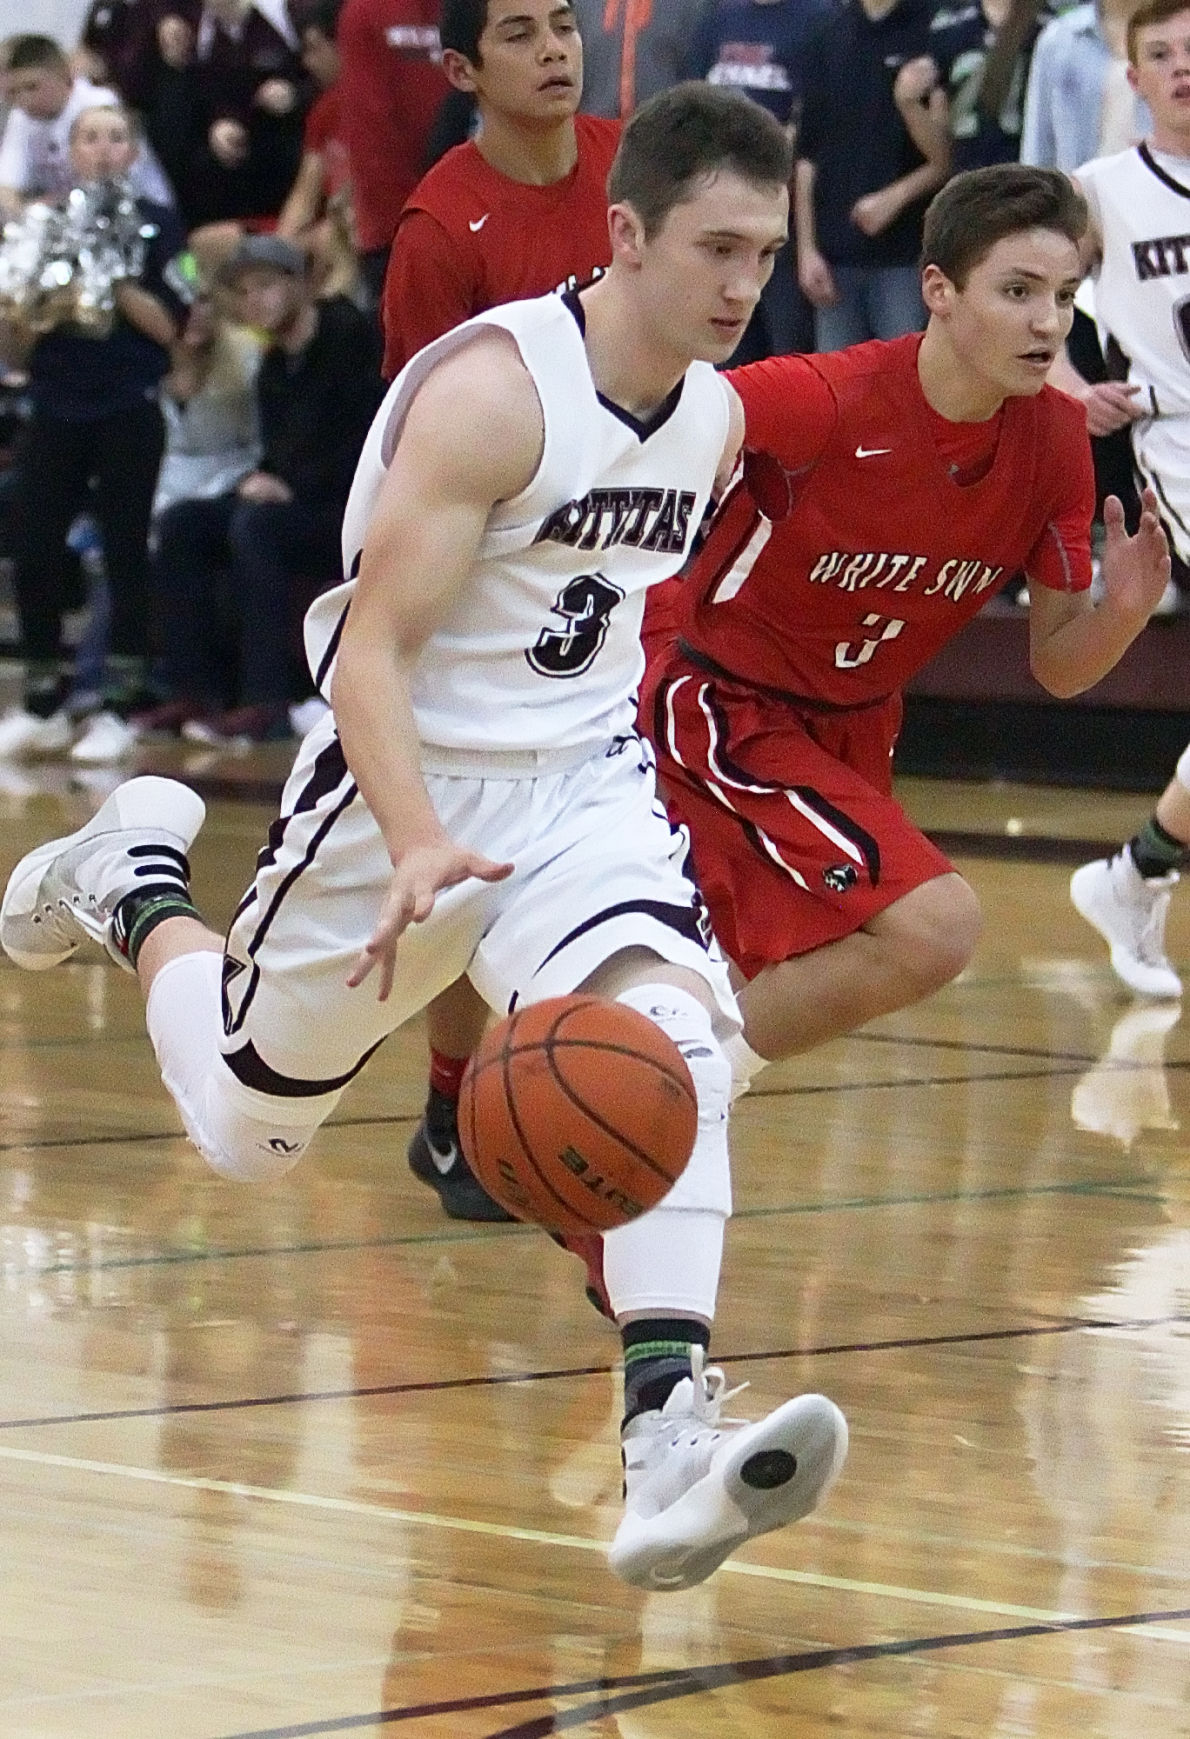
(1129, 913)
(65, 892)
(697, 1485)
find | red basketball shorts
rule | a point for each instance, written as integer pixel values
(796, 838)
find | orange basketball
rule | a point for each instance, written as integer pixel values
(577, 1113)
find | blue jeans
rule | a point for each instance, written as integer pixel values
(874, 302)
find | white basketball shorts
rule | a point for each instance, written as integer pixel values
(598, 868)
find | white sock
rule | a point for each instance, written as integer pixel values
(745, 1063)
(668, 1261)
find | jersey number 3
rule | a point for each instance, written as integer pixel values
(584, 604)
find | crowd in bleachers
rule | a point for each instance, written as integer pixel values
(185, 453)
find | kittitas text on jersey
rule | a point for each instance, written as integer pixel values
(542, 649)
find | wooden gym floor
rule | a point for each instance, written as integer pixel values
(311, 1459)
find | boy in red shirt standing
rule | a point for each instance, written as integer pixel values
(523, 207)
(513, 213)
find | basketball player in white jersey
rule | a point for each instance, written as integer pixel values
(1139, 252)
(479, 801)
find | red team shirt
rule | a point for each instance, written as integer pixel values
(470, 239)
(865, 531)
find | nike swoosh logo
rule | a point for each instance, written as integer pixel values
(479, 223)
(870, 452)
(443, 1158)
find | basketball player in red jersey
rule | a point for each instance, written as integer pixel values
(888, 491)
(523, 207)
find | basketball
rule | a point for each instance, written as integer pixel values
(577, 1113)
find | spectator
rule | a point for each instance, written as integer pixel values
(96, 433)
(1078, 106)
(873, 146)
(112, 40)
(391, 86)
(212, 428)
(224, 95)
(247, 555)
(635, 48)
(524, 206)
(324, 175)
(757, 46)
(1078, 103)
(45, 99)
(983, 48)
(322, 178)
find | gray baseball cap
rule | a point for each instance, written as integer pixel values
(270, 252)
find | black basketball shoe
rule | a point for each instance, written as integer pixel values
(436, 1159)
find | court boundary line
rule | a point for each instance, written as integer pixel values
(910, 1343)
(646, 1690)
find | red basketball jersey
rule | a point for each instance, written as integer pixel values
(849, 552)
(470, 239)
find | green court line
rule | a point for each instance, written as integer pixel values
(1113, 1188)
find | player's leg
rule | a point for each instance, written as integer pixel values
(455, 1023)
(697, 1485)
(609, 909)
(123, 880)
(826, 897)
(902, 954)
(1126, 897)
(257, 1043)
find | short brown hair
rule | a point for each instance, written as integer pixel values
(26, 53)
(977, 209)
(686, 133)
(1150, 12)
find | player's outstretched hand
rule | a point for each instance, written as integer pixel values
(418, 879)
(1135, 569)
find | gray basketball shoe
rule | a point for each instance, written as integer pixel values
(697, 1485)
(65, 892)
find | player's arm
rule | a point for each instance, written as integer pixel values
(789, 409)
(1073, 642)
(303, 202)
(473, 436)
(1109, 404)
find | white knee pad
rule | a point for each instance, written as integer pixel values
(1182, 770)
(706, 1181)
(238, 1132)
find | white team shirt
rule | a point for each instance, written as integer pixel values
(35, 155)
(1140, 200)
(542, 649)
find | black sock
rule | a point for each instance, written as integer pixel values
(442, 1118)
(138, 914)
(43, 692)
(656, 1358)
(1155, 851)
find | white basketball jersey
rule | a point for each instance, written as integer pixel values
(1140, 200)
(542, 649)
